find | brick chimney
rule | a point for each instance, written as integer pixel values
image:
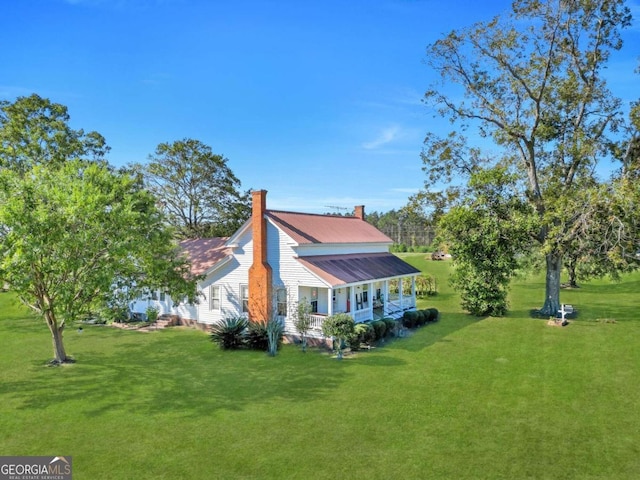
(359, 212)
(260, 271)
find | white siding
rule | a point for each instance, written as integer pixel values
(287, 271)
(168, 306)
(184, 310)
(341, 249)
(229, 277)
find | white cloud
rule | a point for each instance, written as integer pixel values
(405, 190)
(386, 136)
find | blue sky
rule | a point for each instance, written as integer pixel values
(318, 102)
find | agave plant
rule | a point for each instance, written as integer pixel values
(275, 329)
(229, 334)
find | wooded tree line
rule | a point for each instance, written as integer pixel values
(412, 229)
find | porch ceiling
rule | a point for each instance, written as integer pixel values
(353, 268)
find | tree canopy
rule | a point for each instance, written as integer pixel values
(36, 131)
(532, 83)
(197, 189)
(76, 238)
(487, 234)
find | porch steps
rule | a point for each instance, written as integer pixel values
(166, 320)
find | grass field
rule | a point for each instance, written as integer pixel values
(465, 398)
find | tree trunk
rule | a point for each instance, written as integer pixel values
(552, 287)
(571, 269)
(60, 356)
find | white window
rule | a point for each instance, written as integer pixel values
(281, 302)
(244, 298)
(163, 296)
(214, 297)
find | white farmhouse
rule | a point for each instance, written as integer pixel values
(338, 264)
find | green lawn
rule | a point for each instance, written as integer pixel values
(465, 398)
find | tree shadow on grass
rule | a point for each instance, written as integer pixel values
(526, 313)
(176, 373)
(595, 300)
(439, 298)
(432, 333)
(609, 288)
(377, 359)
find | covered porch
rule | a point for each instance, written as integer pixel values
(366, 286)
(363, 301)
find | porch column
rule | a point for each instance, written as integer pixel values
(352, 302)
(330, 301)
(400, 288)
(385, 302)
(413, 291)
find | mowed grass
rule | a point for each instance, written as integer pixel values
(464, 398)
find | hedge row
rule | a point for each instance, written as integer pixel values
(371, 332)
(417, 318)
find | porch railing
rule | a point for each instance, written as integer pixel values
(362, 315)
(408, 303)
(317, 320)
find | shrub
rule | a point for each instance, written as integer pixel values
(380, 329)
(340, 326)
(357, 337)
(390, 323)
(433, 314)
(302, 321)
(229, 333)
(113, 313)
(152, 313)
(426, 285)
(368, 334)
(409, 319)
(421, 318)
(398, 247)
(257, 337)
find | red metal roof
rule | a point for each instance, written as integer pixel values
(308, 228)
(204, 253)
(353, 268)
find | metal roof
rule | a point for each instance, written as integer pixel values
(354, 268)
(309, 228)
(204, 253)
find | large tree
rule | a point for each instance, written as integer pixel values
(532, 82)
(36, 131)
(197, 189)
(79, 237)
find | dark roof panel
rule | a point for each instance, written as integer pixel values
(354, 268)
